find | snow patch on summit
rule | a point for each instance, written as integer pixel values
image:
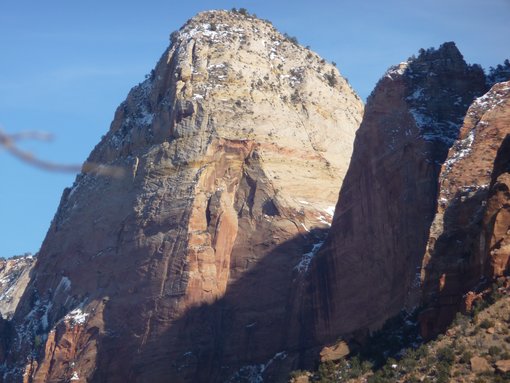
(491, 99)
(215, 32)
(397, 70)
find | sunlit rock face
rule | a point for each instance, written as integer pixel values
(468, 243)
(180, 256)
(14, 277)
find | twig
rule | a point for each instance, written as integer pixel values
(7, 141)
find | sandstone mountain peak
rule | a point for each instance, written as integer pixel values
(245, 66)
(215, 252)
(184, 264)
(439, 112)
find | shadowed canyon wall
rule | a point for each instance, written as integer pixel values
(369, 268)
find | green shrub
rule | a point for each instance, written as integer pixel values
(331, 77)
(292, 39)
(460, 348)
(355, 370)
(478, 306)
(486, 323)
(379, 378)
(466, 357)
(443, 371)
(37, 341)
(494, 351)
(495, 293)
(445, 354)
(422, 351)
(326, 372)
(462, 321)
(504, 378)
(408, 363)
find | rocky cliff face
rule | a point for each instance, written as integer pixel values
(180, 257)
(14, 277)
(369, 268)
(468, 239)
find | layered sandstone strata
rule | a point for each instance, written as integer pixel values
(179, 257)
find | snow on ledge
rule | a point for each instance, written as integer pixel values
(304, 264)
(463, 149)
(396, 70)
(76, 317)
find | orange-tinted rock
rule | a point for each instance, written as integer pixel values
(188, 261)
(468, 238)
(479, 365)
(335, 352)
(368, 269)
(503, 366)
(301, 379)
(469, 300)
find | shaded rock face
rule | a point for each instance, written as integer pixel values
(6, 335)
(468, 238)
(14, 277)
(369, 268)
(180, 258)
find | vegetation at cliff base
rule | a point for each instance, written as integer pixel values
(474, 349)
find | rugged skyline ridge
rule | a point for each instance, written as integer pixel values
(370, 264)
(206, 257)
(186, 266)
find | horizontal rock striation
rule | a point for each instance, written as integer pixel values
(180, 256)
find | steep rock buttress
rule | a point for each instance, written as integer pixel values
(469, 239)
(369, 268)
(178, 257)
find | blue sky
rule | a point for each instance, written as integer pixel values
(66, 65)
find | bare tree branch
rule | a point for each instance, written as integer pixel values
(8, 142)
(39, 136)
